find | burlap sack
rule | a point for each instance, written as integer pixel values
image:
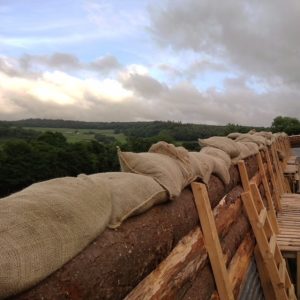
(215, 152)
(222, 143)
(244, 152)
(252, 131)
(131, 194)
(178, 153)
(259, 140)
(253, 148)
(45, 225)
(171, 150)
(233, 135)
(170, 173)
(266, 134)
(204, 165)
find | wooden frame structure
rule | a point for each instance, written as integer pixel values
(272, 266)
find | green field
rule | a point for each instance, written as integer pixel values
(76, 135)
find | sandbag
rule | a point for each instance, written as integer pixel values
(45, 225)
(204, 165)
(244, 152)
(222, 143)
(266, 134)
(171, 150)
(131, 194)
(233, 135)
(252, 131)
(253, 147)
(259, 140)
(178, 153)
(170, 173)
(215, 152)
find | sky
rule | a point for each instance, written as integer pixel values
(195, 61)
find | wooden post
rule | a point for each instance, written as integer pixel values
(212, 242)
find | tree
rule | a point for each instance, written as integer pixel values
(53, 138)
(286, 124)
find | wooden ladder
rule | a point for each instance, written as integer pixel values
(212, 241)
(274, 276)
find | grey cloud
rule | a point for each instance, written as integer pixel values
(56, 60)
(259, 37)
(106, 63)
(204, 65)
(67, 61)
(170, 70)
(6, 67)
(144, 85)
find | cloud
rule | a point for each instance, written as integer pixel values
(56, 60)
(33, 64)
(144, 85)
(261, 38)
(105, 63)
(135, 95)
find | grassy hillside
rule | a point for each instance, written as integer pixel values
(74, 135)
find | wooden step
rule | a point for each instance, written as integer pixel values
(262, 218)
(272, 244)
(282, 271)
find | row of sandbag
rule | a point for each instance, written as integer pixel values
(174, 167)
(48, 223)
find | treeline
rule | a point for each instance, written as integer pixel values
(176, 130)
(29, 156)
(23, 162)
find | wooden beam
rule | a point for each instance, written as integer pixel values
(244, 175)
(212, 242)
(263, 275)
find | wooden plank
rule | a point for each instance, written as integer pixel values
(282, 271)
(291, 169)
(212, 241)
(244, 175)
(298, 274)
(263, 275)
(272, 243)
(262, 218)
